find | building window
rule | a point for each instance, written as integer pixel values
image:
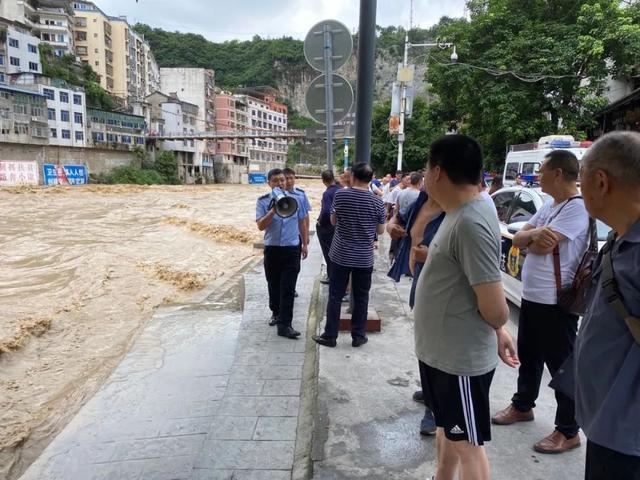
(77, 99)
(79, 136)
(53, 133)
(1, 59)
(1, 77)
(64, 97)
(33, 66)
(111, 137)
(14, 43)
(98, 136)
(14, 61)
(50, 94)
(77, 117)
(51, 113)
(125, 139)
(32, 48)
(61, 39)
(97, 63)
(81, 36)
(66, 134)
(64, 115)
(139, 141)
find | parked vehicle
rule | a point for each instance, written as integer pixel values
(526, 159)
(516, 206)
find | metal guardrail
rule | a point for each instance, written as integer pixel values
(229, 135)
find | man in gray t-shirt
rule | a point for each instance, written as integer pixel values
(460, 309)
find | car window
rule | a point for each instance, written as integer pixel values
(530, 168)
(503, 202)
(511, 172)
(523, 208)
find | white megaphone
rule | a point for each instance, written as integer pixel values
(285, 205)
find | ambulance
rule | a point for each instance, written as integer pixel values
(524, 160)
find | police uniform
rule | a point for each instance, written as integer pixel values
(303, 202)
(281, 259)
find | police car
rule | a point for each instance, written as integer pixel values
(516, 205)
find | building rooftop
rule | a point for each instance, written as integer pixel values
(20, 90)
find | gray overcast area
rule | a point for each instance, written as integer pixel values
(241, 19)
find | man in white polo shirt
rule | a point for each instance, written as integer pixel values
(546, 334)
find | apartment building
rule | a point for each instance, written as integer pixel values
(93, 41)
(195, 86)
(23, 117)
(115, 130)
(19, 52)
(66, 108)
(264, 112)
(231, 116)
(49, 20)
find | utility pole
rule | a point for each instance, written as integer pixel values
(403, 103)
(328, 92)
(366, 62)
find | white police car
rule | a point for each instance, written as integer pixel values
(515, 206)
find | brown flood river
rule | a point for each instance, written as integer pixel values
(82, 270)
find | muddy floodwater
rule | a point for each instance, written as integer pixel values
(82, 270)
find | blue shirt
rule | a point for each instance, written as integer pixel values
(281, 232)
(324, 219)
(303, 201)
(608, 359)
(358, 212)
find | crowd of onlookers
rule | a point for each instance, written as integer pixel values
(446, 236)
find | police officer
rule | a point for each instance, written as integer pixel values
(285, 241)
(300, 195)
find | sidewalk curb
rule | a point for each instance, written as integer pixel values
(302, 461)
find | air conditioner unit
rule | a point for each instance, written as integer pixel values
(34, 119)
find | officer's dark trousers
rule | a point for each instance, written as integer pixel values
(546, 335)
(360, 286)
(281, 267)
(325, 237)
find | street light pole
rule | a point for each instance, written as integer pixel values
(403, 101)
(403, 104)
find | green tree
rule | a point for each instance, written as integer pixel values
(166, 165)
(424, 126)
(543, 67)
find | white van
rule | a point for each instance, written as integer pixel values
(526, 159)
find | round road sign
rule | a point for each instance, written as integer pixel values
(342, 98)
(342, 44)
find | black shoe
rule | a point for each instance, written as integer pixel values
(295, 294)
(359, 341)
(274, 320)
(327, 342)
(295, 332)
(288, 332)
(418, 396)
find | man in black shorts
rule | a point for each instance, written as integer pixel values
(460, 309)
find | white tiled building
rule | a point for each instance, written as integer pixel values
(67, 115)
(21, 52)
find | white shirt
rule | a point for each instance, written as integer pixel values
(484, 194)
(538, 277)
(393, 196)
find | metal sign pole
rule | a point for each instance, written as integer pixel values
(346, 153)
(328, 92)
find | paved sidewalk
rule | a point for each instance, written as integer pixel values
(367, 425)
(206, 392)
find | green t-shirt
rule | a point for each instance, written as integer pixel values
(450, 334)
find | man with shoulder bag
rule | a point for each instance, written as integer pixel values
(607, 351)
(556, 237)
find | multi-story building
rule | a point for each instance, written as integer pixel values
(23, 116)
(121, 56)
(66, 108)
(115, 130)
(265, 113)
(231, 116)
(49, 20)
(196, 86)
(18, 52)
(93, 40)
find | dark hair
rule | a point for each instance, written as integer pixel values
(328, 177)
(497, 180)
(289, 171)
(416, 178)
(362, 172)
(273, 172)
(459, 156)
(565, 161)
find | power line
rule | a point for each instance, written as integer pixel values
(523, 77)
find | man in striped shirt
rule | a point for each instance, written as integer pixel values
(358, 215)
